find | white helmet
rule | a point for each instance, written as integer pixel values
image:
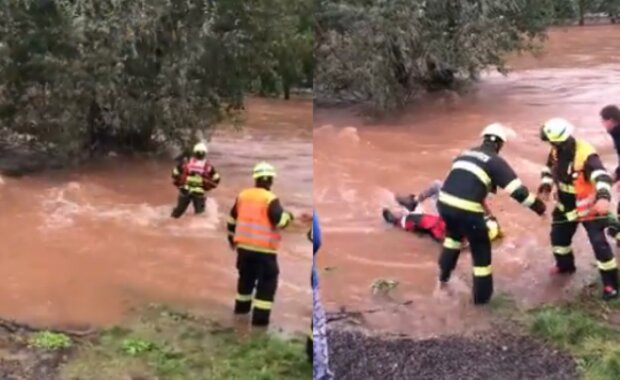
(495, 129)
(200, 148)
(557, 130)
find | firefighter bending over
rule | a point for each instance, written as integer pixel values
(474, 174)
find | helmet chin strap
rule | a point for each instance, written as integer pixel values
(493, 142)
(566, 144)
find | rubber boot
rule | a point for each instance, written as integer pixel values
(243, 307)
(260, 317)
(389, 216)
(447, 263)
(482, 289)
(564, 264)
(407, 201)
(610, 284)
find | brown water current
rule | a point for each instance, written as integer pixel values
(83, 247)
(359, 164)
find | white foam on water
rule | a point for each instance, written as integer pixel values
(62, 205)
(58, 210)
(196, 225)
(349, 134)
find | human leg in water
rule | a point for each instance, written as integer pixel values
(182, 203)
(452, 243)
(562, 232)
(607, 265)
(199, 201)
(411, 201)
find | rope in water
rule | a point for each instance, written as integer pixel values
(611, 218)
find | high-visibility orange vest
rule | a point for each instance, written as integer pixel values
(585, 190)
(253, 229)
(582, 187)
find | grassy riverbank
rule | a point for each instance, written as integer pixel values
(587, 328)
(157, 344)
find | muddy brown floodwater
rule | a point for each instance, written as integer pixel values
(82, 247)
(360, 163)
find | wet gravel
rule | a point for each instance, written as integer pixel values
(356, 356)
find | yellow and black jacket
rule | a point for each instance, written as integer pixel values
(477, 172)
(579, 176)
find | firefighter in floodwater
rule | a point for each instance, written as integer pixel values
(194, 176)
(417, 221)
(474, 174)
(253, 231)
(583, 196)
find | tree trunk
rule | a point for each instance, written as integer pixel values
(582, 12)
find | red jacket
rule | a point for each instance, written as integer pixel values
(430, 223)
(195, 167)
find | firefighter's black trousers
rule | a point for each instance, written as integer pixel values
(562, 232)
(185, 198)
(257, 284)
(471, 226)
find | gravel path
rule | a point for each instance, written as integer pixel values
(356, 356)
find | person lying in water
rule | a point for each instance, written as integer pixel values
(417, 221)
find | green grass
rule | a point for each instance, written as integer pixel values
(166, 345)
(51, 341)
(583, 329)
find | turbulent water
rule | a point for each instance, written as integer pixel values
(83, 247)
(359, 164)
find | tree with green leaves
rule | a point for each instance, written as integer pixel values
(81, 74)
(386, 52)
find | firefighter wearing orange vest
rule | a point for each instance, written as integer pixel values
(583, 196)
(194, 176)
(253, 231)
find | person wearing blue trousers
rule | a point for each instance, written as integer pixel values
(316, 346)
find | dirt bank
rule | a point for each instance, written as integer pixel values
(355, 355)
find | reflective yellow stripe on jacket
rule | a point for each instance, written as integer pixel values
(460, 203)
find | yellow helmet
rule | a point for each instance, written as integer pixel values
(200, 148)
(493, 228)
(556, 130)
(263, 169)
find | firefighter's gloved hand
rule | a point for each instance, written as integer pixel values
(601, 207)
(613, 231)
(544, 192)
(539, 207)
